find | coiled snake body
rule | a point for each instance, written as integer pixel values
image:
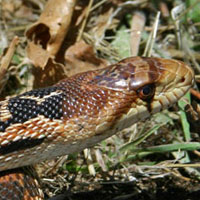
(80, 111)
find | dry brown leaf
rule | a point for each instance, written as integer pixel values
(45, 38)
(81, 57)
(51, 28)
(52, 73)
(38, 55)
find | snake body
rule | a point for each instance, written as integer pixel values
(84, 109)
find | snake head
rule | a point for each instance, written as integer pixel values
(155, 83)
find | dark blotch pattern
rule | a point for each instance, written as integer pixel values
(23, 109)
(20, 145)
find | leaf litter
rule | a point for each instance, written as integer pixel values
(158, 159)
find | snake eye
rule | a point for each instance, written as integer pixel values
(146, 92)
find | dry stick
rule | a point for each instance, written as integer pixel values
(195, 93)
(197, 76)
(164, 9)
(98, 5)
(196, 153)
(89, 160)
(84, 21)
(137, 26)
(194, 165)
(152, 37)
(6, 61)
(154, 34)
(147, 44)
(100, 160)
(162, 28)
(173, 165)
(174, 13)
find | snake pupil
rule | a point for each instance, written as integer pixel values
(146, 92)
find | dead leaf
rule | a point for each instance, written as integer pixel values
(51, 28)
(81, 57)
(38, 55)
(45, 38)
(52, 73)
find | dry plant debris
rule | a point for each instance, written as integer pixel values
(49, 40)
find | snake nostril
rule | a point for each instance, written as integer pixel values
(183, 79)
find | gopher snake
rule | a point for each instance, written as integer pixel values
(82, 110)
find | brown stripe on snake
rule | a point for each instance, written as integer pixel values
(84, 109)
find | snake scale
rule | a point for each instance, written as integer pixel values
(79, 112)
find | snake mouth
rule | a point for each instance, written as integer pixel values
(177, 83)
